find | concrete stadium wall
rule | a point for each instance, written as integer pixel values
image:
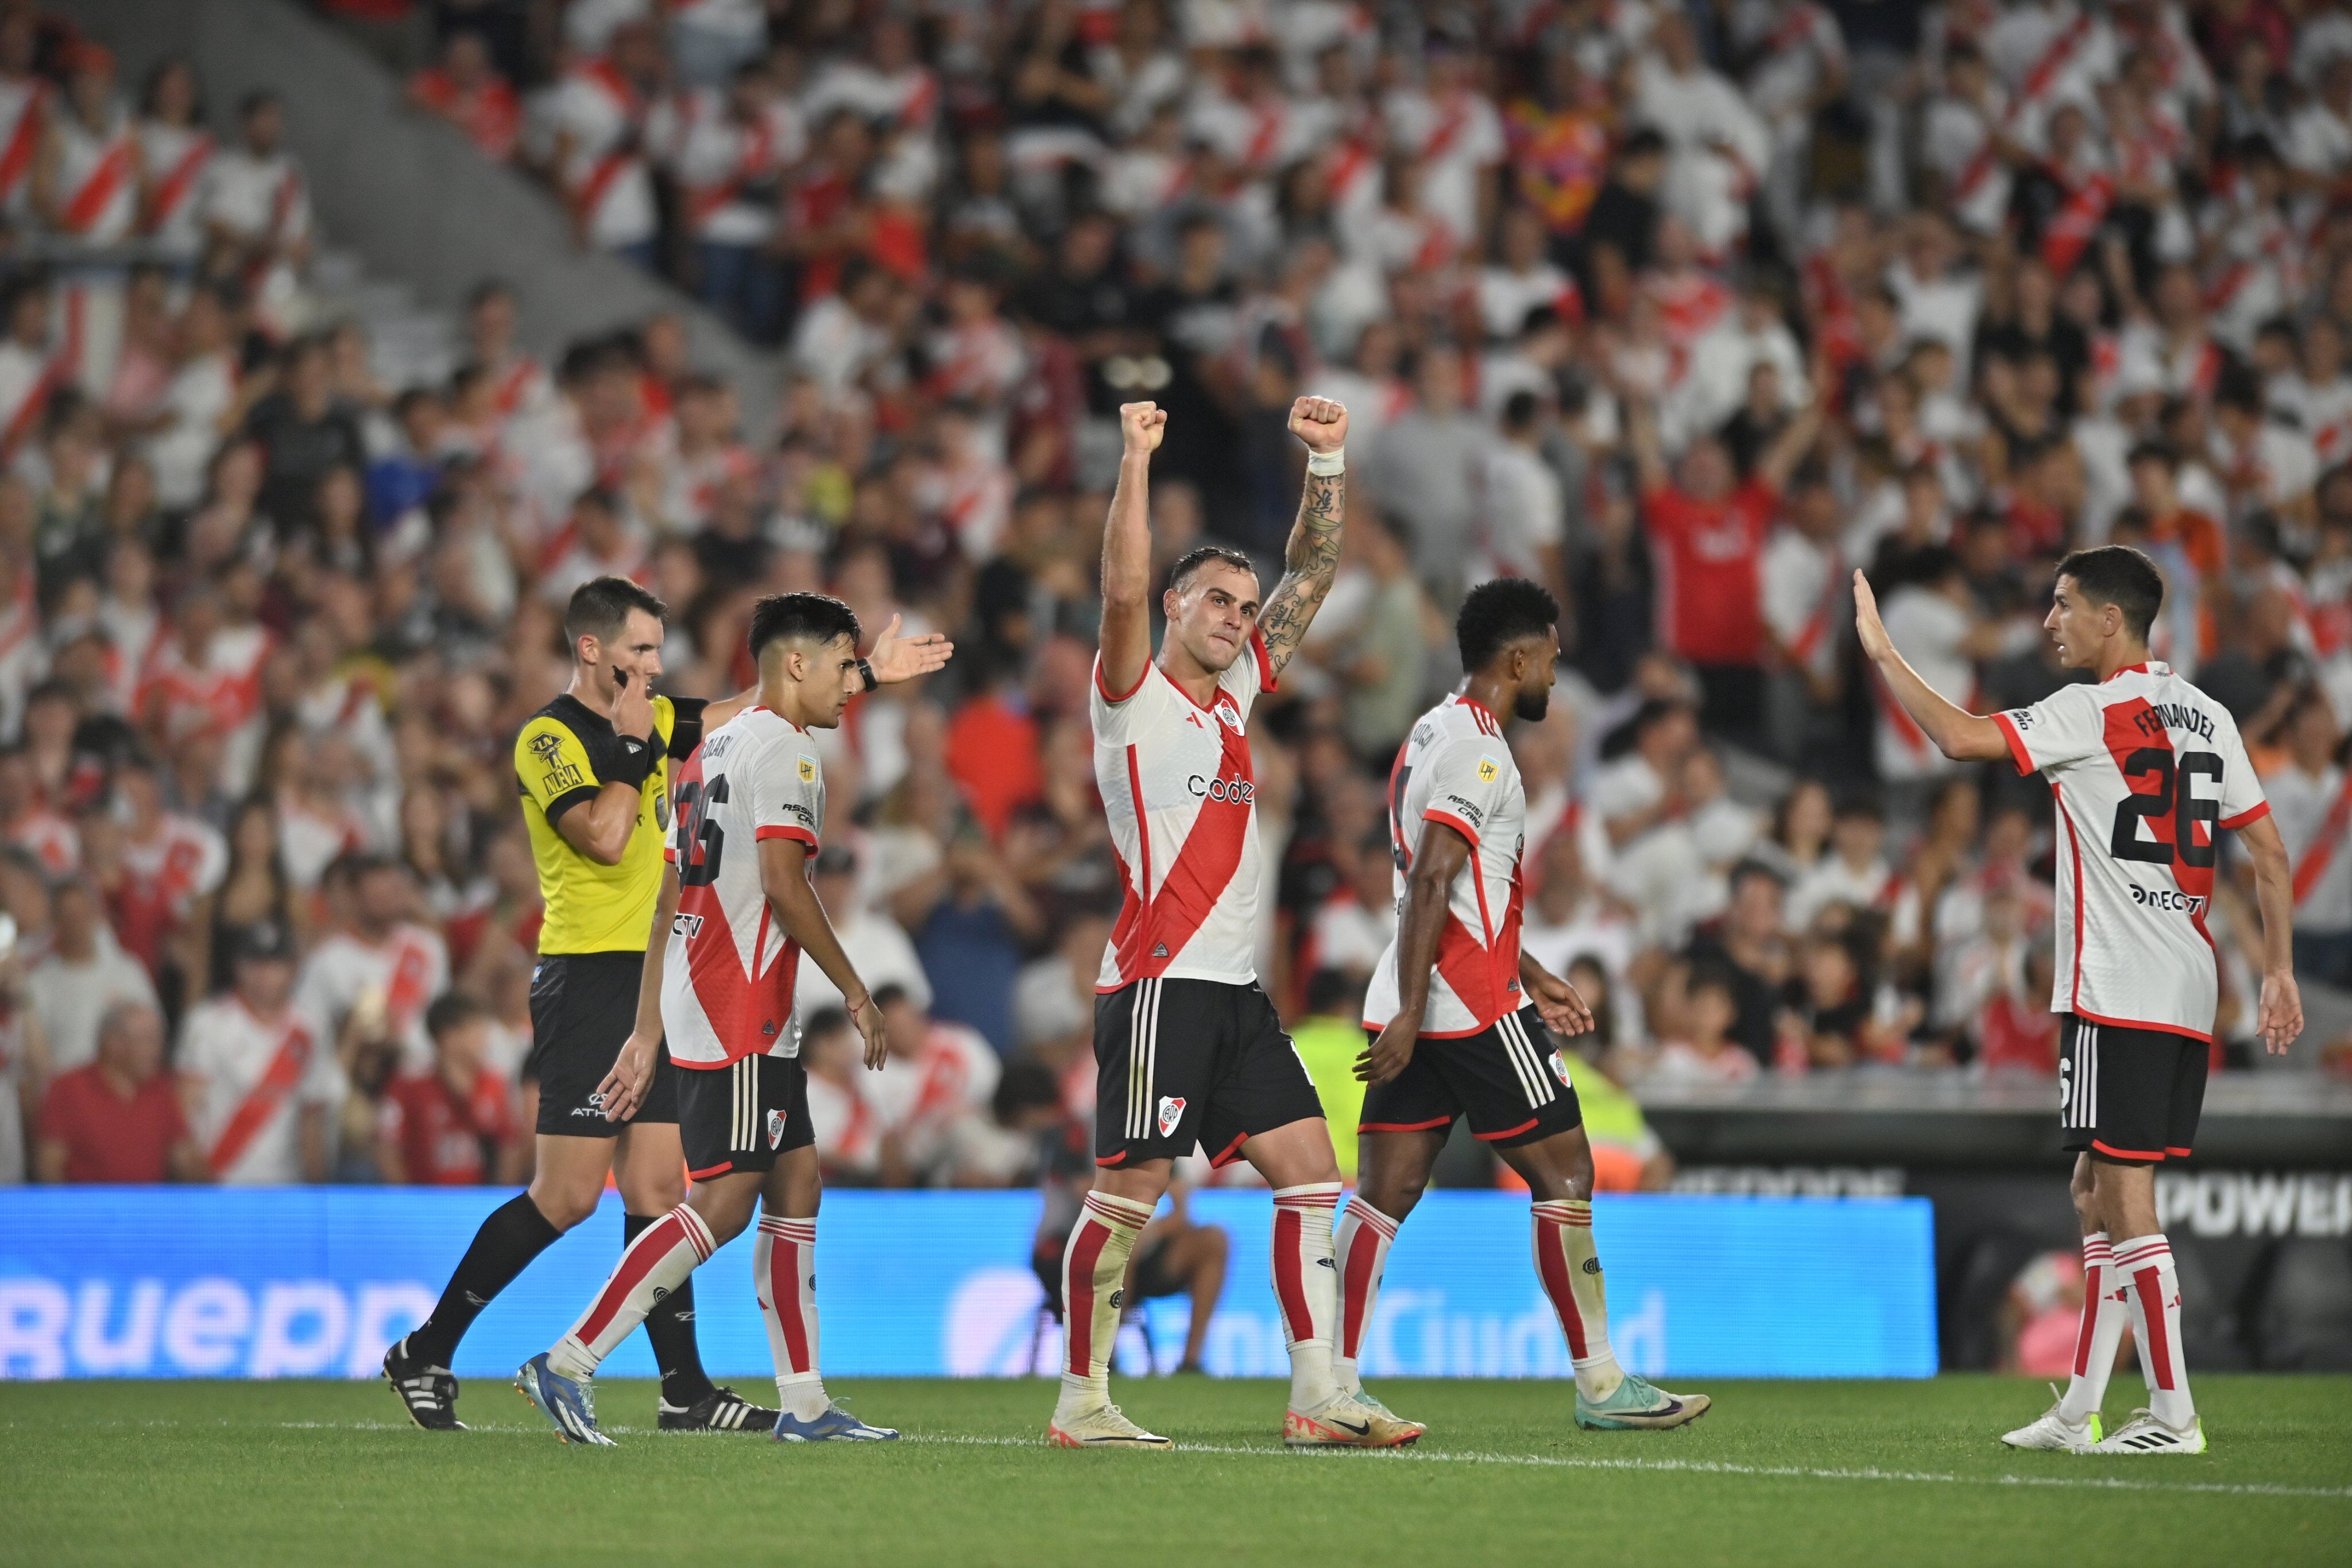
(406, 191)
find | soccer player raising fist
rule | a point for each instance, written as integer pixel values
(1188, 1049)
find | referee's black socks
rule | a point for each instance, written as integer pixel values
(670, 1327)
(514, 1234)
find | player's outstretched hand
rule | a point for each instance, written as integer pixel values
(1392, 1053)
(897, 658)
(869, 1020)
(1556, 1002)
(2279, 1016)
(1320, 422)
(1140, 427)
(1875, 643)
(623, 1089)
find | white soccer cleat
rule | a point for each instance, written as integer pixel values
(2054, 1432)
(1104, 1427)
(1344, 1421)
(2144, 1434)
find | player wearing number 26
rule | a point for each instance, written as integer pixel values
(2146, 771)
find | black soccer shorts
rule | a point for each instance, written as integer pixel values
(1509, 1079)
(2132, 1095)
(1186, 1062)
(740, 1117)
(582, 1006)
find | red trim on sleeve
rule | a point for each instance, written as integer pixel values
(2259, 811)
(1264, 661)
(1438, 814)
(669, 853)
(2017, 751)
(785, 831)
(1114, 698)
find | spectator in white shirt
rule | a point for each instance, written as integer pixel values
(885, 956)
(938, 1073)
(85, 973)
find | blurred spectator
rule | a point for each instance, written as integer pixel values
(884, 955)
(970, 917)
(848, 1136)
(1008, 1147)
(260, 1076)
(454, 1125)
(117, 1119)
(1706, 1051)
(938, 1074)
(84, 973)
(2312, 798)
(381, 961)
(1329, 1039)
(466, 89)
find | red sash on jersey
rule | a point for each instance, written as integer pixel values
(174, 186)
(1266, 137)
(1808, 637)
(17, 157)
(106, 178)
(509, 394)
(262, 1101)
(28, 413)
(607, 169)
(1454, 117)
(412, 974)
(2053, 58)
(2321, 851)
(1905, 729)
(2069, 233)
(756, 162)
(921, 103)
(1979, 168)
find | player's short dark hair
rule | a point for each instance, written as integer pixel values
(2123, 577)
(786, 617)
(453, 1010)
(1192, 561)
(600, 607)
(1498, 613)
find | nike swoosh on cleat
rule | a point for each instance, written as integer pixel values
(1363, 1431)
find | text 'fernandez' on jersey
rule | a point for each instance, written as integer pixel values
(727, 979)
(1454, 770)
(1178, 789)
(2146, 771)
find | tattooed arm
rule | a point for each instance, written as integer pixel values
(1312, 558)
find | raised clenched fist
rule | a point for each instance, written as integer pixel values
(1320, 422)
(1141, 426)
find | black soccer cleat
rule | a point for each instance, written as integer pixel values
(430, 1393)
(720, 1410)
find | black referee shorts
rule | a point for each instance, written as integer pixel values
(2131, 1095)
(1508, 1079)
(582, 1006)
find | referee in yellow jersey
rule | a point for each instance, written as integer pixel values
(593, 768)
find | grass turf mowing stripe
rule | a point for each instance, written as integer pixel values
(1717, 1468)
(1545, 1461)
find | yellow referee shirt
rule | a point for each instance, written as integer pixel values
(562, 759)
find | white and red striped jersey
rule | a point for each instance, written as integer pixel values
(254, 1075)
(1456, 770)
(222, 690)
(258, 199)
(2145, 770)
(403, 973)
(24, 110)
(1178, 787)
(2314, 818)
(727, 979)
(96, 179)
(173, 160)
(605, 176)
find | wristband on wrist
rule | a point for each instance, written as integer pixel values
(637, 763)
(865, 668)
(1324, 464)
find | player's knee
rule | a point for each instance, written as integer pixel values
(564, 1204)
(655, 1191)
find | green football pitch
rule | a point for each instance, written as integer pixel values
(193, 1474)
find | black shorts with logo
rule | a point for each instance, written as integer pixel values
(582, 1006)
(740, 1117)
(1509, 1080)
(1179, 1063)
(2132, 1095)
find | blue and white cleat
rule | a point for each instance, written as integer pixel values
(571, 1405)
(835, 1426)
(1636, 1404)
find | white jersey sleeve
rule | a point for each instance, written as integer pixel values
(2146, 772)
(784, 797)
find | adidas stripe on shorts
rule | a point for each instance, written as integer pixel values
(2130, 1095)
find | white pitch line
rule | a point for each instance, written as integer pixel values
(1723, 1468)
(1539, 1461)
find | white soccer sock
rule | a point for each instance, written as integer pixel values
(2102, 1330)
(783, 1276)
(1306, 1285)
(655, 1263)
(1362, 1246)
(1094, 1277)
(2153, 1285)
(1569, 1269)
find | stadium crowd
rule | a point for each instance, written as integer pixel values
(1685, 311)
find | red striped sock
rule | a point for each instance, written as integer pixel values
(783, 1276)
(655, 1263)
(2153, 1286)
(1306, 1285)
(1361, 1248)
(2102, 1330)
(1569, 1267)
(1094, 1271)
